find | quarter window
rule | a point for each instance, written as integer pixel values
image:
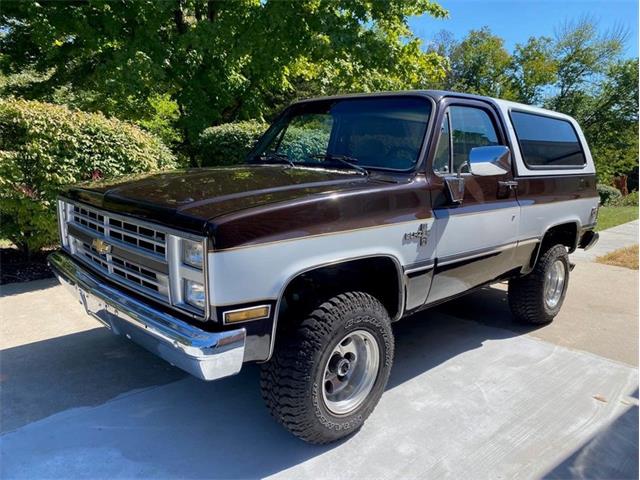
(547, 142)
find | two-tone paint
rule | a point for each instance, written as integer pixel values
(266, 225)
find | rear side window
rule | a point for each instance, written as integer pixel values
(547, 142)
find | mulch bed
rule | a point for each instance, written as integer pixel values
(15, 267)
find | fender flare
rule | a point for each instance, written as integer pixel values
(291, 278)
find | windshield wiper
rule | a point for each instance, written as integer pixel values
(344, 159)
(275, 157)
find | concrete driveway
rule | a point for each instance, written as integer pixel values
(470, 396)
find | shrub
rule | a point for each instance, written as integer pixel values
(301, 144)
(229, 143)
(608, 195)
(630, 200)
(44, 147)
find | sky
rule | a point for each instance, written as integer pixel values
(517, 20)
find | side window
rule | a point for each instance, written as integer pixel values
(442, 156)
(547, 142)
(472, 127)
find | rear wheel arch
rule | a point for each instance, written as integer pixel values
(567, 234)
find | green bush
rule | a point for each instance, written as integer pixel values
(301, 144)
(630, 200)
(44, 147)
(229, 143)
(608, 195)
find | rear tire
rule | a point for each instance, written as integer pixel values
(327, 375)
(537, 297)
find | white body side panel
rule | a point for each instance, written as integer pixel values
(464, 235)
(536, 219)
(266, 269)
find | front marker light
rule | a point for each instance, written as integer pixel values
(192, 253)
(194, 294)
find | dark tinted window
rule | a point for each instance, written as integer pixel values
(379, 132)
(472, 127)
(547, 142)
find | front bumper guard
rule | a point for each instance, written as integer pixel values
(206, 355)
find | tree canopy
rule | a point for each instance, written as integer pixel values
(177, 67)
(579, 71)
(197, 63)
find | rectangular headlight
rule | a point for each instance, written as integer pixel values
(194, 294)
(192, 253)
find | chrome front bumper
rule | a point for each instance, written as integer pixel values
(206, 355)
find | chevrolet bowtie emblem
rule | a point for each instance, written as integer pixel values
(101, 246)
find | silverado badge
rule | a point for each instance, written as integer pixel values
(421, 235)
(101, 246)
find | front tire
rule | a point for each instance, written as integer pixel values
(537, 297)
(328, 374)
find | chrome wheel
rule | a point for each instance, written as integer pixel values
(350, 372)
(554, 283)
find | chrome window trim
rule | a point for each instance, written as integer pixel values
(551, 117)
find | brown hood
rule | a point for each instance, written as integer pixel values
(189, 199)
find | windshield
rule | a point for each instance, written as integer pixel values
(379, 133)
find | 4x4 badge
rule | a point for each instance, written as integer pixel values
(421, 235)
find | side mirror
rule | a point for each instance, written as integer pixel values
(489, 161)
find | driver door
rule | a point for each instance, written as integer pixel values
(475, 239)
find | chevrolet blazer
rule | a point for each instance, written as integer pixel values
(350, 213)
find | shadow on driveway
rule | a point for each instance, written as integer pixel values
(172, 425)
(91, 367)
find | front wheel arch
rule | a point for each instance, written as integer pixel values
(356, 274)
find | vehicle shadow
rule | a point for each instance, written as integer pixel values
(433, 336)
(19, 288)
(91, 367)
(188, 427)
(611, 453)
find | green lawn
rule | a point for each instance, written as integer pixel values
(611, 216)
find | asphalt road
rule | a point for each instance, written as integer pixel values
(470, 396)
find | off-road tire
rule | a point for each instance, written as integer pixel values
(526, 294)
(292, 381)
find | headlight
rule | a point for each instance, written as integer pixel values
(194, 293)
(192, 253)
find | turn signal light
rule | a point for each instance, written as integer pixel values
(246, 314)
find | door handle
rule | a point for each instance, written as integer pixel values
(510, 184)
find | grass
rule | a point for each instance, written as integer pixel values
(624, 257)
(611, 216)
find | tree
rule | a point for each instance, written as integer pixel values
(478, 64)
(578, 72)
(610, 120)
(533, 67)
(217, 61)
(583, 57)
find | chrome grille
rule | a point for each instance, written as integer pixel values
(139, 255)
(141, 277)
(122, 230)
